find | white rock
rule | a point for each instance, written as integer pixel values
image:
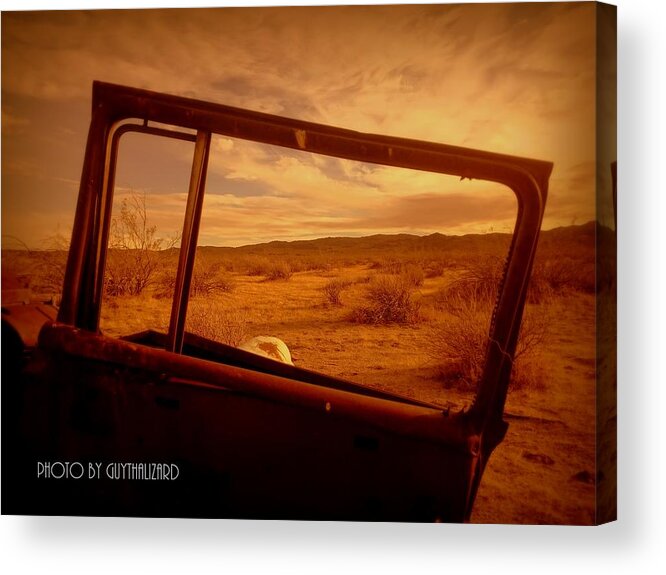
(268, 346)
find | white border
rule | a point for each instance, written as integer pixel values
(633, 544)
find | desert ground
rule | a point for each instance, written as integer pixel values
(406, 314)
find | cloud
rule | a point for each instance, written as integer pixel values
(516, 79)
(455, 213)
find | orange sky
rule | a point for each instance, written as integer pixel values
(509, 78)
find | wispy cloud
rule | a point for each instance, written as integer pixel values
(516, 79)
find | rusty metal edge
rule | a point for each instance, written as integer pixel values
(393, 416)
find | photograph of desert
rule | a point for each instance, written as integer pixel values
(378, 275)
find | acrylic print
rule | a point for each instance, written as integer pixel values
(314, 263)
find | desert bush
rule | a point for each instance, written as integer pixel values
(388, 300)
(435, 269)
(271, 269)
(549, 278)
(333, 290)
(366, 279)
(559, 275)
(386, 265)
(460, 342)
(392, 266)
(375, 265)
(478, 283)
(411, 270)
(257, 265)
(309, 263)
(204, 284)
(208, 278)
(279, 270)
(213, 320)
(318, 262)
(413, 274)
(481, 281)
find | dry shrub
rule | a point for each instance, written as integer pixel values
(385, 265)
(413, 274)
(391, 266)
(479, 283)
(560, 275)
(412, 271)
(318, 262)
(279, 270)
(549, 278)
(208, 278)
(459, 342)
(389, 300)
(257, 265)
(333, 290)
(212, 320)
(128, 272)
(302, 265)
(261, 265)
(461, 338)
(467, 303)
(435, 269)
(363, 279)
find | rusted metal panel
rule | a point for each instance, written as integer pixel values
(199, 347)
(244, 447)
(428, 423)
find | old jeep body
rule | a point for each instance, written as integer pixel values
(251, 438)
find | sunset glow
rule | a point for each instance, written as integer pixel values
(516, 79)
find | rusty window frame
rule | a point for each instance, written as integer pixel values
(114, 105)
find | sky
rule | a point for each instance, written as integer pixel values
(509, 78)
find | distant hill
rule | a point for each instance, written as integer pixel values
(570, 248)
(570, 241)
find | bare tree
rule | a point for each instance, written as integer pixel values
(133, 248)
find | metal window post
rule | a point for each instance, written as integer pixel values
(188, 243)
